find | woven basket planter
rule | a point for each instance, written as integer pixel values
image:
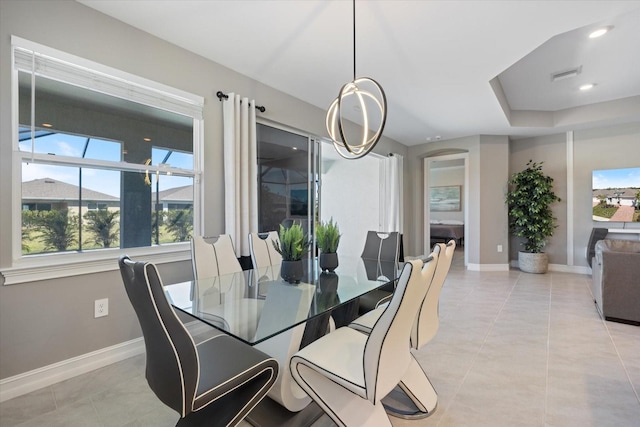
(533, 263)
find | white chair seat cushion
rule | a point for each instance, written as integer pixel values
(366, 322)
(338, 356)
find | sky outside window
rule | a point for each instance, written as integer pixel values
(62, 144)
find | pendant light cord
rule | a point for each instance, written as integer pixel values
(354, 40)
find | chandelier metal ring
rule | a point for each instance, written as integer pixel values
(335, 119)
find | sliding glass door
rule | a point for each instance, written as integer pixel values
(288, 174)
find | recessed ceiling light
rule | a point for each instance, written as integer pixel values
(294, 148)
(47, 125)
(587, 86)
(147, 139)
(600, 32)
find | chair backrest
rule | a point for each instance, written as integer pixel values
(226, 256)
(427, 321)
(172, 359)
(596, 234)
(387, 353)
(203, 258)
(382, 246)
(263, 254)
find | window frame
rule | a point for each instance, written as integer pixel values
(55, 265)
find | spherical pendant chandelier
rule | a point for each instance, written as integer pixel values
(366, 94)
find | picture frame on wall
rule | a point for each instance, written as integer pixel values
(445, 198)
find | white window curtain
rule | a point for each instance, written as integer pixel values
(240, 171)
(391, 195)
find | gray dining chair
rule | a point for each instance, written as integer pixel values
(348, 373)
(216, 382)
(380, 256)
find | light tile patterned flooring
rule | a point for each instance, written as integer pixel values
(513, 349)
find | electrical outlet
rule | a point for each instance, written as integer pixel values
(101, 307)
(499, 248)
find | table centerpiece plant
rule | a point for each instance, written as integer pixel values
(328, 238)
(529, 200)
(293, 246)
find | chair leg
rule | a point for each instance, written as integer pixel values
(417, 387)
(341, 405)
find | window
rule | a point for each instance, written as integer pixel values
(108, 160)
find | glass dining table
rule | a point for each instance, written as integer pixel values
(255, 305)
(261, 309)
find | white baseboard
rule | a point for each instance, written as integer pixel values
(561, 268)
(488, 267)
(48, 375)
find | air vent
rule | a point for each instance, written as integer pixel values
(565, 74)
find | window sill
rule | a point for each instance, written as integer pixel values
(54, 266)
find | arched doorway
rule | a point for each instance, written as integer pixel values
(446, 199)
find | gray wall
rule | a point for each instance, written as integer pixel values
(551, 150)
(493, 175)
(602, 148)
(488, 163)
(45, 322)
(605, 148)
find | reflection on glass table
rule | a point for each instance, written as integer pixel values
(255, 305)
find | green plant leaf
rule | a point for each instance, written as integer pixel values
(293, 245)
(528, 199)
(328, 236)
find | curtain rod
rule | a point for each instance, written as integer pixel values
(221, 95)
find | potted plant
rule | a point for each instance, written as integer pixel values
(529, 198)
(293, 246)
(328, 238)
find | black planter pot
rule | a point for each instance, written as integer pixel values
(328, 262)
(292, 271)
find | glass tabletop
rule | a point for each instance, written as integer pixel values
(255, 305)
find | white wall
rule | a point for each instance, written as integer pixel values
(350, 194)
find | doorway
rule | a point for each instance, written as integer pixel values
(446, 200)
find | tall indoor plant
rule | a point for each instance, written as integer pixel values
(293, 246)
(529, 200)
(328, 238)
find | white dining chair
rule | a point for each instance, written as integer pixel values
(263, 254)
(348, 373)
(226, 255)
(415, 383)
(203, 258)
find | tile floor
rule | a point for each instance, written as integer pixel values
(513, 349)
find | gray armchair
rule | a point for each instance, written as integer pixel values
(616, 280)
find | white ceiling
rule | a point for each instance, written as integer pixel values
(440, 63)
